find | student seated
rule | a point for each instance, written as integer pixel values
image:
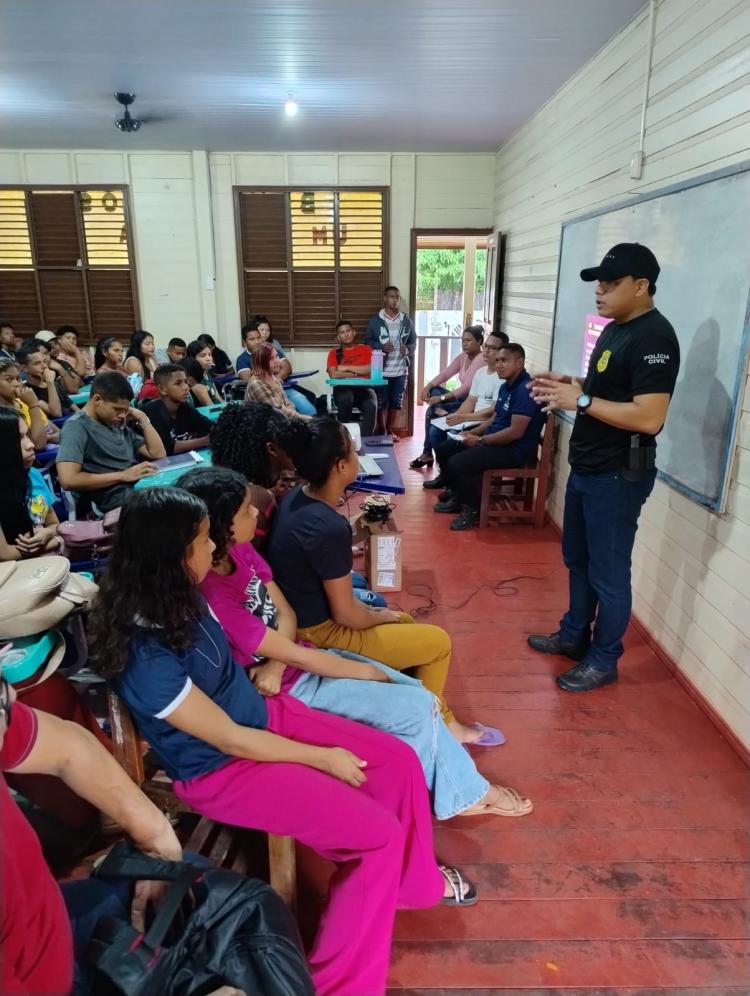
(310, 553)
(180, 426)
(28, 524)
(60, 362)
(477, 406)
(38, 932)
(261, 628)
(52, 396)
(99, 450)
(256, 440)
(7, 341)
(176, 350)
(250, 337)
(140, 358)
(354, 795)
(264, 385)
(109, 355)
(352, 359)
(21, 399)
(304, 401)
(67, 339)
(505, 440)
(222, 364)
(439, 399)
(202, 354)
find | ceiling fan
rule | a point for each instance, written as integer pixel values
(127, 123)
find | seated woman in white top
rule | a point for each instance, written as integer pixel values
(478, 405)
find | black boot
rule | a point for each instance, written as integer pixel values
(436, 484)
(552, 644)
(585, 678)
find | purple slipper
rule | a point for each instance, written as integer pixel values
(490, 737)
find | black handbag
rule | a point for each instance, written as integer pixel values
(236, 932)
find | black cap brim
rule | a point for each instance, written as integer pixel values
(601, 273)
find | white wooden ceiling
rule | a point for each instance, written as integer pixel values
(418, 75)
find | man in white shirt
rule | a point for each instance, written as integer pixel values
(477, 406)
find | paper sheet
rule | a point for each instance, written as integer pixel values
(388, 547)
(386, 579)
(442, 424)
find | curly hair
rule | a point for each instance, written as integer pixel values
(239, 440)
(222, 491)
(146, 579)
(328, 441)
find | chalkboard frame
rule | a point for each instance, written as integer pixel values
(717, 505)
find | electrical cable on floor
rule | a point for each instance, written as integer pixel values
(504, 588)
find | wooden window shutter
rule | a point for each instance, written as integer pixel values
(267, 293)
(18, 301)
(360, 296)
(310, 256)
(314, 307)
(55, 225)
(104, 227)
(111, 300)
(263, 231)
(64, 299)
(15, 243)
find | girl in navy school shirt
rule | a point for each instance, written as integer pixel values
(355, 795)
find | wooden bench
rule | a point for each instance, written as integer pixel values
(529, 486)
(225, 846)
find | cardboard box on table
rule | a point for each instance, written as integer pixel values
(383, 551)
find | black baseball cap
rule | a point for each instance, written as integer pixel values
(626, 259)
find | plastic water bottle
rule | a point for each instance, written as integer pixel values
(136, 382)
(376, 365)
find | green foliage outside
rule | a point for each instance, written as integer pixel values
(443, 270)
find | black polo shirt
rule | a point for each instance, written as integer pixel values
(641, 356)
(186, 423)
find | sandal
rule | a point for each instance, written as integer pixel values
(464, 891)
(515, 804)
(422, 462)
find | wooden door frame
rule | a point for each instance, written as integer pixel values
(415, 234)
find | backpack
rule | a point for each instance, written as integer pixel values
(236, 932)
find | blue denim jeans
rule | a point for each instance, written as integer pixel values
(599, 527)
(434, 436)
(410, 713)
(300, 402)
(362, 593)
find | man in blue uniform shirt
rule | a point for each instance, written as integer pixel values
(505, 440)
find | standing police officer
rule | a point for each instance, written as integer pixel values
(620, 409)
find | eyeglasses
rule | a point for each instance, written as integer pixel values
(5, 701)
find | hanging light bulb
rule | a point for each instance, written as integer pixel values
(291, 107)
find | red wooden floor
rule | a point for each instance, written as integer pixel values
(631, 876)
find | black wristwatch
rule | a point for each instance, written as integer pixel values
(583, 403)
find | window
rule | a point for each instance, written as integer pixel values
(310, 257)
(65, 260)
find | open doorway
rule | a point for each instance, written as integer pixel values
(448, 292)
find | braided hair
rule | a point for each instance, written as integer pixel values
(242, 437)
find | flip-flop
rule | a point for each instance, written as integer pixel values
(490, 736)
(464, 891)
